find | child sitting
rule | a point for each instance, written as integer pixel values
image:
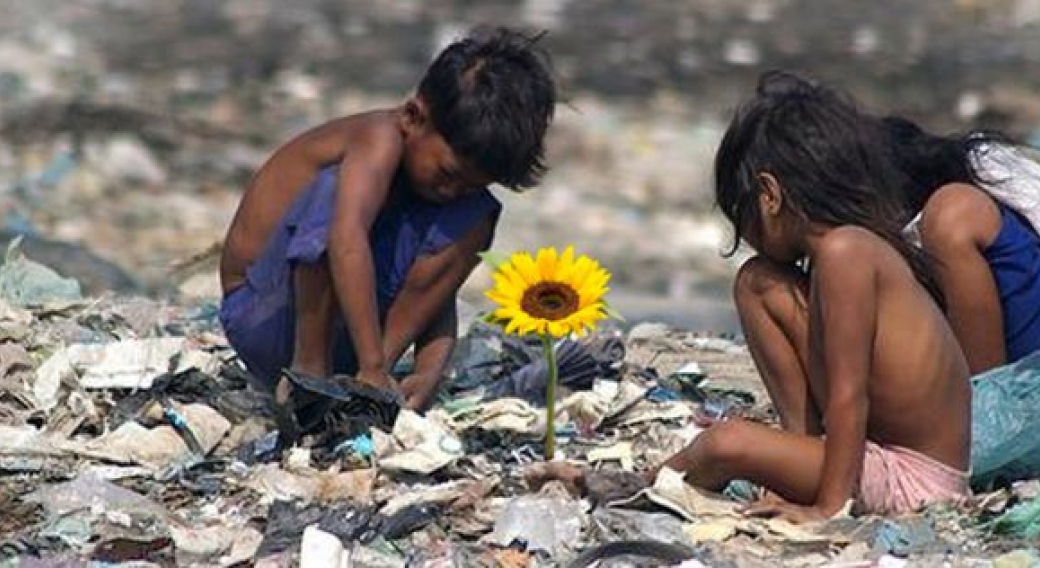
(976, 201)
(351, 242)
(838, 309)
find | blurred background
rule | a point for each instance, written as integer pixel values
(128, 128)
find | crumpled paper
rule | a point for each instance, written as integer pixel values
(714, 517)
(161, 446)
(127, 364)
(417, 444)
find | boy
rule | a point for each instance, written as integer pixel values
(351, 242)
(867, 377)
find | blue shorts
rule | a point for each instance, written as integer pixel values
(259, 317)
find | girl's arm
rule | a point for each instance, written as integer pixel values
(958, 223)
(843, 312)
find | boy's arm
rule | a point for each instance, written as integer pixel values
(424, 311)
(364, 184)
(433, 350)
(844, 311)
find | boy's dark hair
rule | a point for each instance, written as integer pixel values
(930, 161)
(491, 96)
(829, 158)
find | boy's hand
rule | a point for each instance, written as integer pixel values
(777, 507)
(418, 389)
(378, 379)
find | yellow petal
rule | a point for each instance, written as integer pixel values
(557, 328)
(511, 284)
(514, 325)
(547, 263)
(514, 277)
(582, 268)
(509, 314)
(505, 287)
(588, 317)
(526, 267)
(565, 265)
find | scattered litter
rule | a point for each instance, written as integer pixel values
(620, 452)
(320, 549)
(1022, 520)
(543, 522)
(164, 445)
(129, 364)
(1006, 416)
(276, 484)
(93, 493)
(902, 538)
(1022, 558)
(417, 445)
(141, 439)
(24, 282)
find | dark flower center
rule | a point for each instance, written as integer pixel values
(550, 300)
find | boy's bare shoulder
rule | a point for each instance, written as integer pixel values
(337, 137)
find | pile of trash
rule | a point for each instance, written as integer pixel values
(131, 435)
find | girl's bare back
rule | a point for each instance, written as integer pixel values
(918, 389)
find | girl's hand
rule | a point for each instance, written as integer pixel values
(777, 507)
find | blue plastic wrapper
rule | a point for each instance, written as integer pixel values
(1005, 428)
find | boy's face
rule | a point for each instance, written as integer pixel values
(436, 172)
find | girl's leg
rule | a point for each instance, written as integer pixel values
(785, 463)
(772, 303)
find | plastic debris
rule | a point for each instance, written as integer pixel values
(1022, 558)
(320, 549)
(1022, 520)
(1006, 416)
(550, 524)
(24, 282)
(89, 492)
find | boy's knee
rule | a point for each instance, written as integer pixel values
(725, 444)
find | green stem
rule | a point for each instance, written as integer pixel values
(550, 397)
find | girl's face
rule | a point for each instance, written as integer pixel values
(777, 231)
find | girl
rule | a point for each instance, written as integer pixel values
(855, 352)
(977, 201)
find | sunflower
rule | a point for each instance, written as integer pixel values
(550, 294)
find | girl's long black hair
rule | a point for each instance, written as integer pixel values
(930, 161)
(829, 158)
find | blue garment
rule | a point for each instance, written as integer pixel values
(259, 316)
(1014, 258)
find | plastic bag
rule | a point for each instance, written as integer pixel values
(1005, 445)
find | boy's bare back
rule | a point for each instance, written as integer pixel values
(917, 388)
(278, 182)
